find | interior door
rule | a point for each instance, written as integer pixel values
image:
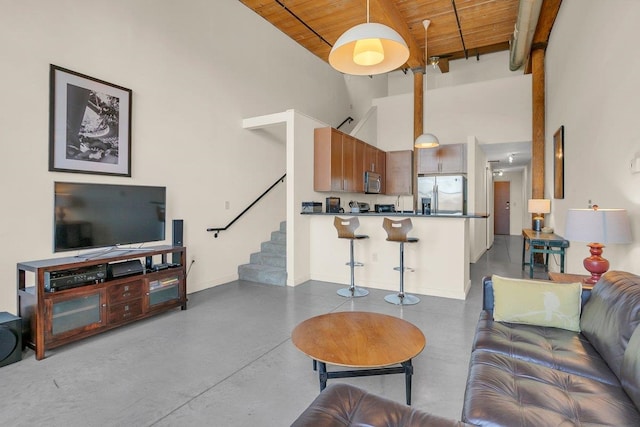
(501, 207)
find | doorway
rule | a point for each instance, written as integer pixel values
(501, 207)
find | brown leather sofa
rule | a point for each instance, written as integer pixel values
(523, 375)
(345, 405)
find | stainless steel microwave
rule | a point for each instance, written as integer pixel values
(372, 182)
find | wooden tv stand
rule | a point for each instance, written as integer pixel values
(54, 318)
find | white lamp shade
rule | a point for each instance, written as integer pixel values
(598, 226)
(540, 206)
(426, 140)
(347, 50)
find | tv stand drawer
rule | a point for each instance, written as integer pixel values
(125, 292)
(126, 311)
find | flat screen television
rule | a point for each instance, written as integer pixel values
(102, 215)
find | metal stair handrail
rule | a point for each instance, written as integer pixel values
(219, 229)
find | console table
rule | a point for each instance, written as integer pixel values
(542, 243)
(96, 303)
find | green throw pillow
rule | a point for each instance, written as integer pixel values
(537, 302)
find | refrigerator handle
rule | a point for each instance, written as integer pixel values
(435, 199)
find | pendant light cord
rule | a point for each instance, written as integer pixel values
(367, 11)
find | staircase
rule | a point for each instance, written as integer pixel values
(268, 266)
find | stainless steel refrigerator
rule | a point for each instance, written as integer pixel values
(442, 194)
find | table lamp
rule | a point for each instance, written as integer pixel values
(597, 226)
(539, 207)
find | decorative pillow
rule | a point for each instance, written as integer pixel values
(537, 302)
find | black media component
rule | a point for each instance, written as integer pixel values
(125, 268)
(178, 229)
(10, 338)
(74, 277)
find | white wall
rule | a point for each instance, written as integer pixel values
(478, 177)
(461, 71)
(194, 78)
(594, 91)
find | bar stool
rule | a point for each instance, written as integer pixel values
(397, 232)
(346, 230)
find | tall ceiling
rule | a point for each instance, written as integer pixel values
(458, 28)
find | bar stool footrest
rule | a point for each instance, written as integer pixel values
(355, 264)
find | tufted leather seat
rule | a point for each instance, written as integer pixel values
(345, 405)
(522, 375)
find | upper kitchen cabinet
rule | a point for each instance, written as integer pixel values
(327, 160)
(399, 172)
(450, 158)
(340, 161)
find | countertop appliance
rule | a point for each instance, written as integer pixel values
(443, 194)
(385, 208)
(359, 206)
(372, 182)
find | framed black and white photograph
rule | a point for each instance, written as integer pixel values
(89, 125)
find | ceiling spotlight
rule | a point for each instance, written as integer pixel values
(434, 60)
(511, 157)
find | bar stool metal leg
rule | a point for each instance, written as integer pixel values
(401, 298)
(352, 290)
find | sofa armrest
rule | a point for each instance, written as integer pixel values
(487, 294)
(345, 405)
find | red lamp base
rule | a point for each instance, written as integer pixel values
(595, 264)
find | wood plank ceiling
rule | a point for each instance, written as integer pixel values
(458, 29)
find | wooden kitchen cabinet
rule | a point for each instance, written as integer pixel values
(340, 161)
(450, 158)
(399, 172)
(327, 160)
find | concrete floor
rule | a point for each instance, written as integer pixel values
(228, 360)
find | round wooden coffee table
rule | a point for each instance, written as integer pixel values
(359, 339)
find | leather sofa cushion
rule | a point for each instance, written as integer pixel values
(556, 348)
(504, 391)
(631, 368)
(345, 405)
(611, 315)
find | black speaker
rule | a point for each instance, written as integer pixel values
(124, 268)
(10, 338)
(178, 225)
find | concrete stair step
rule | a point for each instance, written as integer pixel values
(266, 258)
(279, 236)
(274, 247)
(263, 274)
(268, 266)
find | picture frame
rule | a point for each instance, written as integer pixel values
(89, 124)
(558, 163)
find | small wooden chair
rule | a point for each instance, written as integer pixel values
(397, 231)
(346, 230)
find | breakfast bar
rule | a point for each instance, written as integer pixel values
(439, 260)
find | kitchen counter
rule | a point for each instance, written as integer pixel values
(403, 213)
(440, 258)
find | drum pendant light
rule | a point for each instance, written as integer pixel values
(368, 49)
(426, 140)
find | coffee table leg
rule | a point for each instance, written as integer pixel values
(408, 372)
(322, 374)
